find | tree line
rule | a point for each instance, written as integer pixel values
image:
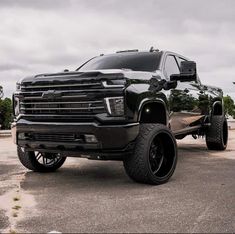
(6, 117)
(229, 106)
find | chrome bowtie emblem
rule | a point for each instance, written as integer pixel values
(89, 106)
(51, 94)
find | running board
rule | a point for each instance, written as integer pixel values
(187, 130)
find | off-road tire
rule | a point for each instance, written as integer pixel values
(217, 133)
(138, 165)
(28, 159)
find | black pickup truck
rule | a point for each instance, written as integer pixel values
(128, 106)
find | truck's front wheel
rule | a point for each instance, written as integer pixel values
(40, 162)
(155, 156)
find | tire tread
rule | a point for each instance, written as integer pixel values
(214, 135)
(135, 165)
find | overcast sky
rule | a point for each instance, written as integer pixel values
(49, 36)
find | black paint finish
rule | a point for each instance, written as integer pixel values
(74, 103)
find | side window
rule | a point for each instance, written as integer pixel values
(171, 66)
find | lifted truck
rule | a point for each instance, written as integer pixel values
(128, 106)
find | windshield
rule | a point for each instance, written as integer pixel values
(140, 61)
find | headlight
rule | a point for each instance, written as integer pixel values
(115, 106)
(16, 106)
(114, 83)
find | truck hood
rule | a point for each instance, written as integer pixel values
(95, 74)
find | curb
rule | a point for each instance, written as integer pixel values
(5, 133)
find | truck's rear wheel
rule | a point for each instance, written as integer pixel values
(155, 156)
(217, 134)
(40, 162)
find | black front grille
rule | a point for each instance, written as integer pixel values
(63, 81)
(66, 95)
(61, 107)
(57, 137)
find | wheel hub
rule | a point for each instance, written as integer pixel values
(156, 155)
(47, 159)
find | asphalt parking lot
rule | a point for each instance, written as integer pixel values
(95, 196)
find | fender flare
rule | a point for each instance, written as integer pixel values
(152, 100)
(221, 102)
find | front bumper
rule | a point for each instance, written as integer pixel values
(113, 141)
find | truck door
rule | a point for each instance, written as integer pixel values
(183, 100)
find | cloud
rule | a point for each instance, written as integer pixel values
(34, 4)
(48, 36)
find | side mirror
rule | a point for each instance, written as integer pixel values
(188, 72)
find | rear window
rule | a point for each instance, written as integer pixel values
(141, 61)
